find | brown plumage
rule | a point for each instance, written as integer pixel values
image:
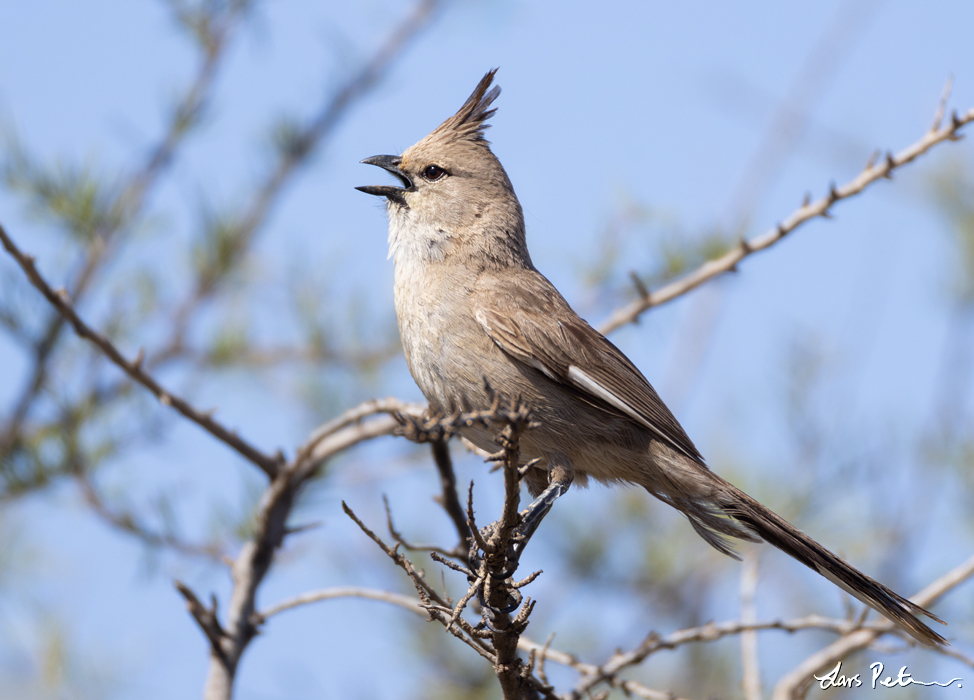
(472, 307)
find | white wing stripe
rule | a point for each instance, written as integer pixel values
(538, 365)
(585, 382)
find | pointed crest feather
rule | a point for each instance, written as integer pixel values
(469, 121)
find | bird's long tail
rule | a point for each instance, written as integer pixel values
(776, 531)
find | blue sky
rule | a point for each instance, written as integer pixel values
(604, 105)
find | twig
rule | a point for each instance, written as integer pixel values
(515, 678)
(206, 618)
(750, 661)
(431, 601)
(425, 590)
(304, 143)
(544, 652)
(938, 116)
(810, 210)
(790, 686)
(127, 207)
(493, 571)
(448, 497)
(403, 601)
(339, 433)
(492, 560)
(340, 441)
(593, 675)
(398, 537)
(130, 524)
(133, 368)
(248, 572)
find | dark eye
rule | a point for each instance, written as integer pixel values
(433, 172)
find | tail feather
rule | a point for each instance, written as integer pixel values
(776, 531)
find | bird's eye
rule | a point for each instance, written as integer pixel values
(433, 172)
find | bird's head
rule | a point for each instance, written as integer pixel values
(453, 193)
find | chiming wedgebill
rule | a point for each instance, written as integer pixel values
(476, 318)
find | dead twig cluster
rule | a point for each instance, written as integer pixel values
(492, 553)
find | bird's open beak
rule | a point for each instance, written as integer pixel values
(395, 194)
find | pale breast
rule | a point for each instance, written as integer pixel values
(444, 345)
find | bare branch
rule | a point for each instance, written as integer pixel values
(809, 210)
(303, 143)
(544, 652)
(494, 551)
(133, 368)
(750, 662)
(448, 497)
(855, 635)
(431, 601)
(592, 675)
(790, 686)
(425, 590)
(207, 619)
(347, 429)
(491, 573)
(128, 205)
(938, 116)
(248, 572)
(405, 602)
(130, 524)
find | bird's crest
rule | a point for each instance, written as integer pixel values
(469, 121)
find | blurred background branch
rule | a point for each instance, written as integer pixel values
(837, 374)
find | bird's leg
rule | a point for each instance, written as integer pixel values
(559, 479)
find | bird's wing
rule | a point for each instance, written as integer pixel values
(530, 321)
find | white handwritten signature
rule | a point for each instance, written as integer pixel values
(836, 679)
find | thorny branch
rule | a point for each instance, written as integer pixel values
(230, 640)
(436, 606)
(592, 675)
(490, 571)
(493, 550)
(129, 204)
(873, 172)
(302, 143)
(133, 368)
(449, 497)
(206, 618)
(497, 591)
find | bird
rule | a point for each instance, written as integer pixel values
(479, 322)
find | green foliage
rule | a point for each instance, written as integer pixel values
(636, 231)
(228, 345)
(679, 253)
(205, 20)
(77, 197)
(60, 668)
(219, 246)
(288, 138)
